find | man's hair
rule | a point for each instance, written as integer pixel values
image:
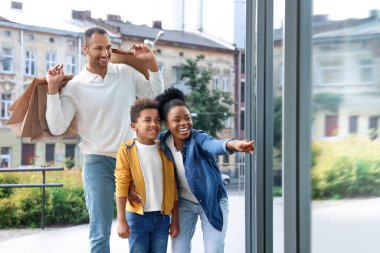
(142, 104)
(89, 32)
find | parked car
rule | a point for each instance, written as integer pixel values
(226, 179)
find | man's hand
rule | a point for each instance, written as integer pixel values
(54, 77)
(246, 146)
(145, 54)
(123, 229)
(133, 196)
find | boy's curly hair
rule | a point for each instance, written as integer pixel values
(171, 97)
(141, 104)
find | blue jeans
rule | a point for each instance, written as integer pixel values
(99, 188)
(213, 239)
(149, 232)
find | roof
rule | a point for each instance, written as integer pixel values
(171, 36)
(367, 30)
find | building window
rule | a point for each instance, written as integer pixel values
(241, 120)
(5, 157)
(6, 99)
(7, 60)
(50, 60)
(181, 54)
(31, 37)
(49, 152)
(227, 122)
(242, 91)
(353, 124)
(70, 150)
(373, 126)
(226, 158)
(70, 65)
(215, 83)
(226, 85)
(331, 71)
(158, 51)
(366, 71)
(28, 154)
(331, 125)
(7, 33)
(51, 40)
(30, 63)
(175, 75)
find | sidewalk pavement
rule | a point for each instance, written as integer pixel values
(348, 226)
(75, 239)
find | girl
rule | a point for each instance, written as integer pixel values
(200, 188)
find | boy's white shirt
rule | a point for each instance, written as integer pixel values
(151, 167)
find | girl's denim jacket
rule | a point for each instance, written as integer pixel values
(202, 172)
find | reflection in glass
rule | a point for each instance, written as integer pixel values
(345, 129)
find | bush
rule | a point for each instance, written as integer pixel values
(8, 211)
(63, 206)
(67, 207)
(7, 179)
(69, 162)
(346, 168)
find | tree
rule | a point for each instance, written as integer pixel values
(209, 108)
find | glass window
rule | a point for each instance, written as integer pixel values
(50, 60)
(49, 152)
(70, 150)
(331, 71)
(345, 171)
(175, 75)
(366, 71)
(6, 100)
(353, 124)
(226, 85)
(215, 83)
(7, 61)
(331, 125)
(30, 63)
(71, 65)
(5, 157)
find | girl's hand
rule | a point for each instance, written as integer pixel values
(246, 146)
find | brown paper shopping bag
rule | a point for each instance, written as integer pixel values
(28, 111)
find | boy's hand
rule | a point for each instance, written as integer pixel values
(246, 146)
(174, 228)
(123, 229)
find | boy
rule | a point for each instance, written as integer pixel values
(141, 161)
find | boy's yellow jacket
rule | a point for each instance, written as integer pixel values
(128, 170)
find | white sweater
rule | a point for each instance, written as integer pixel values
(101, 106)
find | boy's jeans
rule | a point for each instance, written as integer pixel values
(188, 213)
(99, 188)
(149, 232)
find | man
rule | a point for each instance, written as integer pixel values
(100, 97)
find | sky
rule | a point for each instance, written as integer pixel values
(218, 18)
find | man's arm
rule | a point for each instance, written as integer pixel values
(60, 109)
(155, 84)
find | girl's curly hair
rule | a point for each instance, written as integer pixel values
(170, 98)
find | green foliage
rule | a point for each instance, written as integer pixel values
(63, 206)
(67, 207)
(327, 101)
(277, 191)
(8, 211)
(7, 179)
(69, 162)
(211, 108)
(346, 168)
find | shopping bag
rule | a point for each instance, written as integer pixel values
(27, 113)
